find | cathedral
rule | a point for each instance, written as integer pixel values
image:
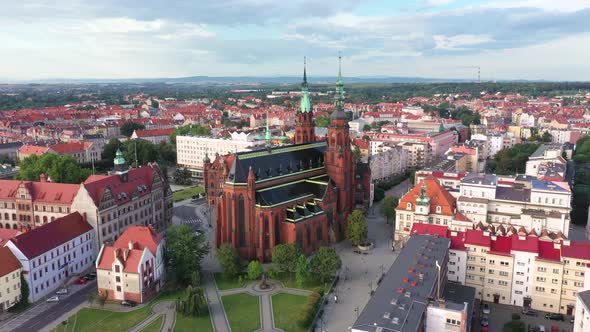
(301, 193)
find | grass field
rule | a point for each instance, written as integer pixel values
(191, 324)
(224, 283)
(186, 193)
(155, 325)
(242, 311)
(285, 308)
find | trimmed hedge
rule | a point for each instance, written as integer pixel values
(309, 310)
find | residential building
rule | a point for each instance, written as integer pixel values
(547, 163)
(10, 271)
(414, 294)
(10, 150)
(540, 271)
(132, 269)
(582, 314)
(53, 253)
(192, 150)
(155, 136)
(392, 161)
(128, 196)
(29, 150)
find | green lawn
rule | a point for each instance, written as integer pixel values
(191, 324)
(224, 283)
(314, 285)
(155, 325)
(242, 312)
(186, 193)
(285, 308)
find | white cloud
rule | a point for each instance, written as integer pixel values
(458, 42)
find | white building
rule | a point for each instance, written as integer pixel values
(582, 315)
(191, 150)
(390, 162)
(53, 253)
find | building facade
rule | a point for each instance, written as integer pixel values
(132, 269)
(53, 253)
(10, 272)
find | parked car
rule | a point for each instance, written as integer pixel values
(486, 309)
(90, 277)
(62, 291)
(572, 319)
(555, 328)
(129, 303)
(529, 312)
(485, 321)
(555, 317)
(53, 299)
(81, 281)
(541, 328)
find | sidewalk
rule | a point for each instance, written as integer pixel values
(216, 311)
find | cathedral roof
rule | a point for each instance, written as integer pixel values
(277, 161)
(291, 191)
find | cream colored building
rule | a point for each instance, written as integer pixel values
(10, 270)
(582, 321)
(192, 150)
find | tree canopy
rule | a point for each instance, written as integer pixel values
(229, 260)
(61, 169)
(163, 153)
(184, 252)
(322, 121)
(128, 128)
(325, 263)
(189, 130)
(284, 256)
(581, 190)
(388, 207)
(357, 228)
(513, 160)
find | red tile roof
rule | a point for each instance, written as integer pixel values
(576, 249)
(529, 244)
(154, 132)
(33, 149)
(9, 262)
(59, 193)
(461, 217)
(142, 176)
(547, 251)
(438, 195)
(7, 234)
(501, 245)
(141, 236)
(130, 265)
(68, 148)
(430, 229)
(46, 237)
(457, 241)
(476, 237)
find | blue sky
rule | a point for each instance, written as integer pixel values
(509, 39)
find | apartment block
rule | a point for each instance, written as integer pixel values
(10, 272)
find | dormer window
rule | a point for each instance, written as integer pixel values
(438, 209)
(409, 206)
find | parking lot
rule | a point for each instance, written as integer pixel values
(501, 314)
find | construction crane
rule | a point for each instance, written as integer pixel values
(472, 67)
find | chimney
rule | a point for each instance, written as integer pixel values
(566, 242)
(130, 245)
(125, 254)
(42, 177)
(116, 253)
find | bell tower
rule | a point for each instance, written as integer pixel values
(305, 129)
(339, 161)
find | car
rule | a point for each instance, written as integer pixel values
(555, 317)
(541, 328)
(573, 319)
(53, 299)
(92, 274)
(555, 328)
(62, 291)
(529, 312)
(484, 321)
(484, 329)
(129, 303)
(81, 281)
(89, 277)
(486, 309)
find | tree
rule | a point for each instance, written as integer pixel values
(189, 130)
(302, 271)
(196, 279)
(194, 303)
(284, 256)
(357, 229)
(128, 128)
(144, 151)
(388, 207)
(547, 137)
(110, 149)
(60, 169)
(325, 263)
(254, 270)
(366, 127)
(91, 297)
(184, 252)
(166, 153)
(356, 153)
(182, 176)
(513, 160)
(229, 260)
(322, 121)
(515, 325)
(379, 194)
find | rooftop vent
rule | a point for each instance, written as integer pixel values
(387, 315)
(395, 320)
(394, 301)
(408, 294)
(402, 306)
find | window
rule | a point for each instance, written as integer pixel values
(556, 271)
(543, 269)
(117, 268)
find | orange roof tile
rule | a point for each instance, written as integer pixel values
(68, 148)
(9, 262)
(438, 195)
(33, 149)
(141, 236)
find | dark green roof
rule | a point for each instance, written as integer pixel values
(278, 161)
(290, 191)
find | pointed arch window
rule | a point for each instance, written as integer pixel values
(241, 221)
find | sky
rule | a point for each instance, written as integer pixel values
(507, 39)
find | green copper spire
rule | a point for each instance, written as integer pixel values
(119, 160)
(339, 94)
(267, 136)
(305, 105)
(423, 199)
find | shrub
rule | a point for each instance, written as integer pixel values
(515, 316)
(309, 310)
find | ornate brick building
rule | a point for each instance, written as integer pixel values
(301, 193)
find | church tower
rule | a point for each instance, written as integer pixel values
(121, 167)
(339, 161)
(304, 130)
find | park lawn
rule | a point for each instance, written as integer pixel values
(98, 320)
(155, 325)
(191, 324)
(286, 308)
(186, 193)
(314, 285)
(224, 283)
(243, 312)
